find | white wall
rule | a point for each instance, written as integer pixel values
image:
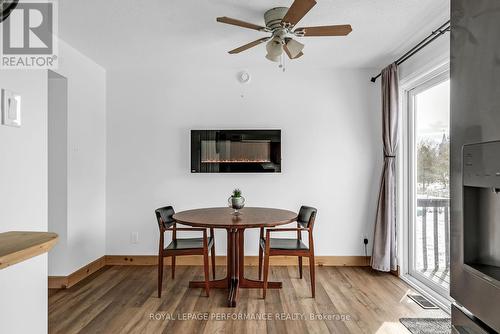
(332, 152)
(86, 147)
(57, 125)
(23, 202)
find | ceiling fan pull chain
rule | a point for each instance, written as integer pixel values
(282, 62)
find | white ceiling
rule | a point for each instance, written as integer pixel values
(163, 33)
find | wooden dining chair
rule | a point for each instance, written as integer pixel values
(291, 247)
(185, 246)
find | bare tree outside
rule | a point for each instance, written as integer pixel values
(433, 174)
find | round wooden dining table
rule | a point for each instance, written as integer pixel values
(235, 226)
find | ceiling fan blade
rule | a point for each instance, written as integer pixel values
(239, 23)
(292, 48)
(297, 11)
(337, 30)
(249, 45)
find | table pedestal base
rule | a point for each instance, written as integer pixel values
(235, 278)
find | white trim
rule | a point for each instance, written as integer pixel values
(424, 73)
(419, 77)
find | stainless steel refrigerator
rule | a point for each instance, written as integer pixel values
(475, 165)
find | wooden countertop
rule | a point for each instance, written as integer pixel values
(18, 246)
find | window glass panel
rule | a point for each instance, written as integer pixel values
(430, 233)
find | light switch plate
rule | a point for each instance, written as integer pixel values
(11, 108)
(134, 237)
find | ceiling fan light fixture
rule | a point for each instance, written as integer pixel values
(274, 49)
(275, 59)
(294, 48)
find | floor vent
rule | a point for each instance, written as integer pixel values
(423, 302)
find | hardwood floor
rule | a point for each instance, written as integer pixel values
(122, 299)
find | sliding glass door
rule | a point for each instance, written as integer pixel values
(429, 200)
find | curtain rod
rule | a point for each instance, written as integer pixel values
(445, 27)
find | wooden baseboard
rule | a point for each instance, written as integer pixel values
(62, 282)
(396, 272)
(193, 260)
(58, 282)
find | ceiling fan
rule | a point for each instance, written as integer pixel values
(280, 22)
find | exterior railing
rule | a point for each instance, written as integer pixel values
(437, 208)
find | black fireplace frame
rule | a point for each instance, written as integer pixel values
(269, 135)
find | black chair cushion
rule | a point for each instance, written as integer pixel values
(189, 243)
(165, 215)
(284, 244)
(304, 215)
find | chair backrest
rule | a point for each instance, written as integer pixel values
(306, 216)
(164, 217)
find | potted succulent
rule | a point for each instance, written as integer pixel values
(236, 201)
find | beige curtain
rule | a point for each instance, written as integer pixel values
(384, 253)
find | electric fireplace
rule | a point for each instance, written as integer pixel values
(235, 151)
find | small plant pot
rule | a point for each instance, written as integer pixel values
(237, 203)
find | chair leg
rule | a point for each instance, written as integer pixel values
(300, 267)
(173, 267)
(266, 274)
(260, 263)
(160, 274)
(312, 271)
(207, 275)
(213, 260)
